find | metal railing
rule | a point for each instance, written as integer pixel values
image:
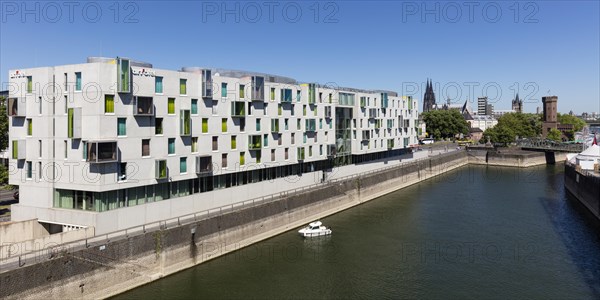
(49, 252)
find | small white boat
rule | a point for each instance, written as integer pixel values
(314, 229)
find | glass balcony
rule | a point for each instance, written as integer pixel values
(312, 93)
(258, 88)
(185, 122)
(328, 112)
(384, 100)
(275, 125)
(123, 76)
(254, 142)
(300, 153)
(143, 106)
(207, 83)
(311, 125)
(286, 95)
(16, 107)
(102, 151)
(204, 166)
(238, 109)
(366, 135)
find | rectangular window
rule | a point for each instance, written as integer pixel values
(66, 149)
(121, 126)
(266, 140)
(242, 158)
(194, 144)
(158, 85)
(145, 147)
(40, 105)
(194, 106)
(215, 143)
(286, 124)
(233, 142)
(78, 81)
(158, 126)
(29, 170)
(286, 156)
(109, 104)
(224, 160)
(40, 148)
(85, 150)
(122, 172)
(29, 84)
(183, 165)
(272, 94)
(171, 106)
(66, 82)
(29, 127)
(293, 138)
(224, 125)
(183, 86)
(242, 91)
(171, 146)
(309, 151)
(161, 172)
(257, 125)
(223, 89)
(272, 154)
(215, 105)
(204, 125)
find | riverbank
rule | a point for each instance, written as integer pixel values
(111, 267)
(509, 157)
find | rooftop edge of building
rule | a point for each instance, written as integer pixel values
(240, 74)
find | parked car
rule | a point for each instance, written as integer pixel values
(16, 195)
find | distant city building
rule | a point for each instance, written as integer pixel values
(517, 104)
(482, 105)
(500, 112)
(489, 110)
(482, 122)
(429, 97)
(537, 110)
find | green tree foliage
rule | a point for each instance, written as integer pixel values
(577, 123)
(445, 123)
(3, 175)
(554, 134)
(513, 125)
(3, 125)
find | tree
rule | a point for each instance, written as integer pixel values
(3, 125)
(577, 123)
(513, 125)
(445, 123)
(554, 134)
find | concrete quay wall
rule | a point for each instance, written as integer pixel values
(112, 267)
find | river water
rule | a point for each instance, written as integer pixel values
(476, 232)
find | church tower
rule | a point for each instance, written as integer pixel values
(429, 97)
(517, 104)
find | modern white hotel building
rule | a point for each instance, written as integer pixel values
(114, 143)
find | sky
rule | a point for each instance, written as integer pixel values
(468, 48)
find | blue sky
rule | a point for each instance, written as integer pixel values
(539, 48)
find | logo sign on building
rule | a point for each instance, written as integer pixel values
(143, 72)
(17, 74)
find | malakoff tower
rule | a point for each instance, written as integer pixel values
(115, 143)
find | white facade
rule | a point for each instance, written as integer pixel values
(116, 135)
(482, 122)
